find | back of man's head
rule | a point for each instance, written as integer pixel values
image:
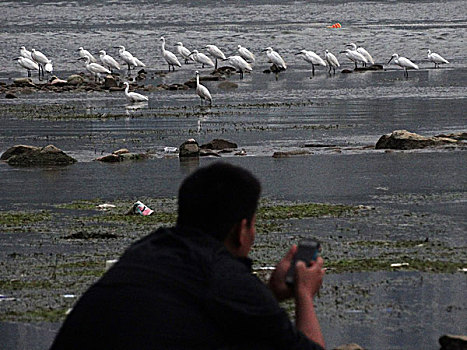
(216, 197)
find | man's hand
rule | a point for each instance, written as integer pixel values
(277, 281)
(308, 280)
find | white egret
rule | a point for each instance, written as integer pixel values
(134, 96)
(85, 53)
(183, 51)
(404, 63)
(240, 64)
(27, 64)
(363, 52)
(275, 59)
(108, 61)
(94, 68)
(127, 57)
(25, 52)
(215, 52)
(246, 54)
(201, 58)
(313, 58)
(436, 59)
(355, 56)
(41, 60)
(332, 61)
(202, 91)
(139, 63)
(169, 56)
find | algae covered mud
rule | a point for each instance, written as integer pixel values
(392, 223)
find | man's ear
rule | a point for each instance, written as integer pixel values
(243, 233)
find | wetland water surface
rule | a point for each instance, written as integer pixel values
(417, 198)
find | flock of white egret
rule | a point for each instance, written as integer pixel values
(243, 61)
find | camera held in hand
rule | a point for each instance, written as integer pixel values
(308, 250)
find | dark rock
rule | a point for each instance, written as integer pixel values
(318, 145)
(142, 71)
(290, 153)
(276, 69)
(189, 148)
(122, 155)
(227, 85)
(23, 82)
(373, 67)
(404, 140)
(224, 70)
(351, 346)
(110, 81)
(178, 87)
(219, 144)
(10, 95)
(190, 83)
(453, 342)
(459, 136)
(57, 82)
(75, 79)
(22, 155)
(346, 71)
(241, 153)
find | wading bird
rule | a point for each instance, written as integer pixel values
(436, 59)
(404, 63)
(25, 52)
(94, 68)
(134, 96)
(313, 58)
(41, 60)
(129, 59)
(27, 64)
(363, 52)
(169, 56)
(85, 53)
(332, 61)
(355, 56)
(202, 91)
(201, 58)
(215, 52)
(108, 61)
(275, 59)
(246, 54)
(184, 52)
(240, 64)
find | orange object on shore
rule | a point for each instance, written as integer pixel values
(336, 25)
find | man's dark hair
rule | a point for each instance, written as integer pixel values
(216, 197)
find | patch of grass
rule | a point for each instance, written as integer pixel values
(389, 244)
(303, 210)
(20, 284)
(11, 219)
(159, 217)
(374, 264)
(41, 314)
(80, 205)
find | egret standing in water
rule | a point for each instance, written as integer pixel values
(184, 52)
(404, 63)
(134, 96)
(275, 59)
(169, 56)
(41, 60)
(27, 64)
(129, 59)
(94, 68)
(201, 58)
(313, 58)
(215, 52)
(240, 64)
(332, 61)
(363, 52)
(436, 59)
(85, 53)
(355, 56)
(108, 61)
(202, 91)
(25, 53)
(246, 54)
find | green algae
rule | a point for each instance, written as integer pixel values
(303, 210)
(18, 219)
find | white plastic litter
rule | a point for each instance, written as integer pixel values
(399, 264)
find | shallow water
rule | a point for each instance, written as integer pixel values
(262, 115)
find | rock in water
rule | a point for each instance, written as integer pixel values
(404, 140)
(219, 144)
(189, 148)
(22, 155)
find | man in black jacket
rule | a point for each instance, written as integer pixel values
(191, 286)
